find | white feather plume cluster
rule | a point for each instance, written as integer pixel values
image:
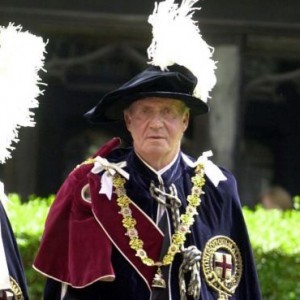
(177, 40)
(21, 57)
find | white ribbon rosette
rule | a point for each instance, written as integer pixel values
(110, 169)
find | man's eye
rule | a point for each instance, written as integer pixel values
(144, 111)
(168, 112)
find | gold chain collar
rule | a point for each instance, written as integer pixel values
(179, 236)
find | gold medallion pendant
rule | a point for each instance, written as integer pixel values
(222, 266)
(158, 280)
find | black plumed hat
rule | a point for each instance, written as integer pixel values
(182, 65)
(175, 83)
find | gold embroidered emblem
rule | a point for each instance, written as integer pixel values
(222, 265)
(15, 288)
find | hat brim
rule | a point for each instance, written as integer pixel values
(176, 83)
(117, 103)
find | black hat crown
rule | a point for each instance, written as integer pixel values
(175, 83)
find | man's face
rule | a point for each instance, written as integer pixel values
(157, 126)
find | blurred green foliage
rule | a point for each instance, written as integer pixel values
(27, 220)
(274, 236)
(296, 201)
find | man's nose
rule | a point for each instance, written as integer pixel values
(156, 120)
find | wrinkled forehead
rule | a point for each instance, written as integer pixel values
(157, 103)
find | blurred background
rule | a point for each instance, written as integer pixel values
(95, 46)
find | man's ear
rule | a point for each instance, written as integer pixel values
(127, 119)
(186, 119)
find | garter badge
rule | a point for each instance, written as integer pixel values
(222, 266)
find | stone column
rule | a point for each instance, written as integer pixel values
(224, 106)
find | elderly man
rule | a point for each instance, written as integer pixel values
(149, 222)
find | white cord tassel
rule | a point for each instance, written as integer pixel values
(177, 40)
(21, 57)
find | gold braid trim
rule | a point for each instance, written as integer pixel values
(186, 219)
(18, 295)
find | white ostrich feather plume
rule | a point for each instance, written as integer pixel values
(177, 40)
(21, 57)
